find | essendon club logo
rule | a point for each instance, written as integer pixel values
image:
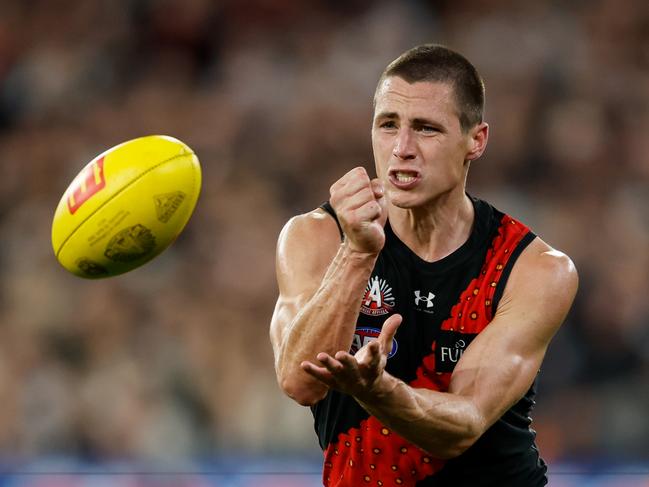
(378, 299)
(89, 182)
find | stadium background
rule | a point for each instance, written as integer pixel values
(169, 369)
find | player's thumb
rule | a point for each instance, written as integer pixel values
(388, 330)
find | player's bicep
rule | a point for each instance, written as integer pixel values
(501, 363)
(305, 249)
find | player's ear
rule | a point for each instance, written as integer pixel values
(479, 135)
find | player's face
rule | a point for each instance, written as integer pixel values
(419, 148)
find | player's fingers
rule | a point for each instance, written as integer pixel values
(332, 365)
(356, 200)
(350, 366)
(338, 185)
(355, 174)
(347, 360)
(368, 212)
(374, 354)
(364, 356)
(350, 183)
(388, 330)
(358, 174)
(350, 374)
(320, 373)
(377, 188)
(379, 193)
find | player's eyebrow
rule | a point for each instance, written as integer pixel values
(387, 115)
(420, 121)
(417, 121)
(423, 121)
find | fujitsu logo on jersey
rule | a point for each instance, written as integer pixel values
(453, 354)
(378, 299)
(365, 335)
(450, 347)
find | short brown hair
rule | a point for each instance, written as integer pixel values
(436, 63)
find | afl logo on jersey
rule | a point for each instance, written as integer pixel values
(363, 336)
(378, 299)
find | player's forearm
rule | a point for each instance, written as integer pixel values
(441, 423)
(325, 324)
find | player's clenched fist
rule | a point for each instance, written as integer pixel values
(361, 209)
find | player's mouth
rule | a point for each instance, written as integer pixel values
(404, 178)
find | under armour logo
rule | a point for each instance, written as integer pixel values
(428, 300)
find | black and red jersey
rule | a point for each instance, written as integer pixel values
(444, 305)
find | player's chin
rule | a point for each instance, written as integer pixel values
(404, 199)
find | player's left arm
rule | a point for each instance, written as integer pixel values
(494, 373)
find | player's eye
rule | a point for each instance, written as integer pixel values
(388, 124)
(428, 129)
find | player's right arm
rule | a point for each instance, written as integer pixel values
(321, 281)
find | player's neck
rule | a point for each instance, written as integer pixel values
(436, 230)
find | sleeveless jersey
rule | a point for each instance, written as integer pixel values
(445, 304)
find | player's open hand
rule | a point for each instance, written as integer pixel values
(361, 209)
(358, 374)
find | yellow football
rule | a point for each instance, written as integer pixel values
(126, 206)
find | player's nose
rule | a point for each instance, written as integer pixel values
(404, 145)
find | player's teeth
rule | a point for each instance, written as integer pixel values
(403, 177)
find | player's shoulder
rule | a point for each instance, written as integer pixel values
(312, 237)
(314, 224)
(548, 266)
(542, 286)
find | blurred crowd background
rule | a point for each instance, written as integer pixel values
(172, 362)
